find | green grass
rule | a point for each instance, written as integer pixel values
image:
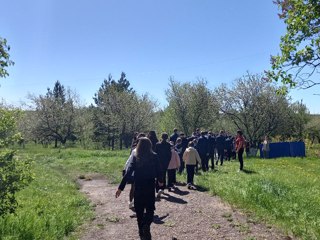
(52, 207)
(284, 192)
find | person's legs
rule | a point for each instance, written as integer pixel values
(181, 168)
(212, 160)
(171, 175)
(192, 173)
(203, 162)
(188, 168)
(240, 157)
(148, 217)
(139, 208)
(221, 155)
(131, 194)
(229, 154)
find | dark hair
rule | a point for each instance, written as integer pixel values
(239, 132)
(135, 142)
(164, 136)
(144, 148)
(175, 129)
(152, 136)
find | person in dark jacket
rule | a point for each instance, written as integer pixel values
(130, 180)
(163, 149)
(228, 144)
(184, 145)
(220, 145)
(153, 138)
(147, 169)
(174, 136)
(202, 148)
(211, 148)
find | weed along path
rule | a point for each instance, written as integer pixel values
(183, 214)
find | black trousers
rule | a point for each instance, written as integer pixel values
(220, 155)
(190, 173)
(181, 168)
(144, 204)
(211, 156)
(204, 162)
(229, 152)
(164, 174)
(240, 157)
(171, 177)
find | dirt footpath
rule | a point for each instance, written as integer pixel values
(183, 214)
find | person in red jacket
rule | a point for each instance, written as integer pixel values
(240, 146)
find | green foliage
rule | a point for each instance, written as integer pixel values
(4, 58)
(8, 122)
(120, 111)
(14, 175)
(191, 105)
(253, 106)
(54, 115)
(300, 46)
(51, 207)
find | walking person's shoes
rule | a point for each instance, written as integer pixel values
(131, 206)
(159, 193)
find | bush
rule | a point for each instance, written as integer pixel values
(14, 175)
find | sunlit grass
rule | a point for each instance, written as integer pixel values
(284, 191)
(52, 207)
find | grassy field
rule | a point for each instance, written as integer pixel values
(51, 207)
(284, 192)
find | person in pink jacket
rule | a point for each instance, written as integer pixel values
(191, 158)
(174, 164)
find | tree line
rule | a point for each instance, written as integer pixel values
(251, 104)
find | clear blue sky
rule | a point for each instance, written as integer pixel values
(80, 42)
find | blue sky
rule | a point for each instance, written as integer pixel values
(80, 42)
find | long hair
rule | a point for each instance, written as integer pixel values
(144, 148)
(153, 138)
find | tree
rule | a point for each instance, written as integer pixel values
(4, 58)
(299, 57)
(120, 112)
(253, 106)
(55, 115)
(191, 105)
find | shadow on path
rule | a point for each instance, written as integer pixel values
(158, 220)
(173, 199)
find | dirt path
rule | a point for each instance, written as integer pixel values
(183, 214)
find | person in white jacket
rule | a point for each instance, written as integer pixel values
(174, 164)
(191, 158)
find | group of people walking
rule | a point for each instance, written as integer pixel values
(152, 166)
